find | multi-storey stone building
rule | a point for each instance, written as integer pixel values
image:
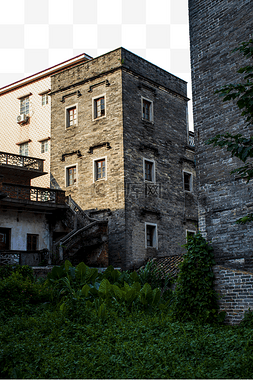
(26, 116)
(216, 28)
(120, 148)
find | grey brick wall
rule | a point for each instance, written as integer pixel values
(216, 28)
(235, 289)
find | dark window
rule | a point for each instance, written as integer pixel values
(71, 116)
(151, 230)
(71, 176)
(148, 170)
(100, 169)
(99, 107)
(146, 110)
(187, 181)
(32, 242)
(24, 106)
(5, 238)
(190, 234)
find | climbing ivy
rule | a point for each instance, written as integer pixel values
(195, 297)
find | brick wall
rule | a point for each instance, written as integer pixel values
(235, 288)
(216, 28)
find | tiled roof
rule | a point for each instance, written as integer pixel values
(169, 264)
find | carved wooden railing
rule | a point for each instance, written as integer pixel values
(29, 163)
(35, 194)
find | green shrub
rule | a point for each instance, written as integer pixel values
(195, 298)
(24, 270)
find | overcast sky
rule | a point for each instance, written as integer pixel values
(37, 34)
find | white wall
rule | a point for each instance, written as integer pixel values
(23, 223)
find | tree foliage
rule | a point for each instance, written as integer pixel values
(240, 146)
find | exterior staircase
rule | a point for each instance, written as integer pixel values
(88, 240)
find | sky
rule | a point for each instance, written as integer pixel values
(37, 34)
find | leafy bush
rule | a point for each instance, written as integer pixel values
(18, 293)
(195, 297)
(24, 270)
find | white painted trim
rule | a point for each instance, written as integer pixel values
(93, 107)
(66, 115)
(155, 235)
(191, 181)
(66, 179)
(151, 115)
(153, 170)
(94, 171)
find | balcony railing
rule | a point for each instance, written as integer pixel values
(29, 163)
(35, 194)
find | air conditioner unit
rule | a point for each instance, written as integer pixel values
(21, 118)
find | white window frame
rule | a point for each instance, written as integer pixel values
(189, 231)
(93, 107)
(67, 126)
(155, 237)
(191, 181)
(22, 99)
(44, 96)
(151, 110)
(153, 170)
(66, 175)
(42, 144)
(95, 169)
(23, 144)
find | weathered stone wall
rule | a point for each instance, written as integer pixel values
(123, 79)
(164, 142)
(89, 137)
(235, 289)
(216, 28)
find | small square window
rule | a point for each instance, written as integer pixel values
(71, 176)
(151, 235)
(32, 242)
(24, 106)
(71, 116)
(187, 181)
(147, 110)
(44, 146)
(44, 99)
(23, 149)
(100, 169)
(189, 234)
(99, 107)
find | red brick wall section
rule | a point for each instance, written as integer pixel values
(235, 288)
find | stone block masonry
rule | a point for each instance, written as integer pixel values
(119, 142)
(235, 289)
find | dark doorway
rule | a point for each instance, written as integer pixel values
(5, 234)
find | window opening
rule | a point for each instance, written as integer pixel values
(100, 169)
(23, 149)
(72, 116)
(71, 176)
(44, 146)
(24, 106)
(32, 242)
(148, 170)
(146, 110)
(44, 99)
(99, 107)
(187, 181)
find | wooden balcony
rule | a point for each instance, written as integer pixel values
(29, 166)
(32, 197)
